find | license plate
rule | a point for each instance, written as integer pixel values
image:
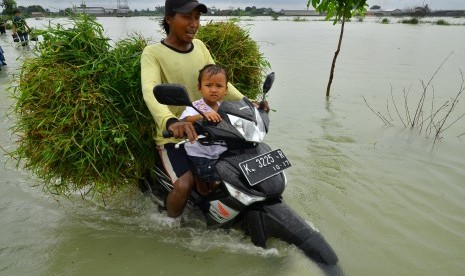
(264, 166)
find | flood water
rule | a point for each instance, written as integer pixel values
(386, 200)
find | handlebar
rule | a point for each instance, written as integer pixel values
(167, 134)
(187, 140)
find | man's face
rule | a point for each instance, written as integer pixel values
(184, 25)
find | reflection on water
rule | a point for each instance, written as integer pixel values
(387, 201)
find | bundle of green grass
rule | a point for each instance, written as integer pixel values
(81, 119)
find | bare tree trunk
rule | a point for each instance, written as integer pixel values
(333, 65)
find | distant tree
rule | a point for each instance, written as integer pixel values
(9, 7)
(160, 9)
(421, 11)
(375, 7)
(68, 11)
(21, 9)
(338, 11)
(35, 8)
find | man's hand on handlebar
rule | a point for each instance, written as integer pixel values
(183, 130)
(263, 105)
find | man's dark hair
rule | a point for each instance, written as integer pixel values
(182, 6)
(163, 22)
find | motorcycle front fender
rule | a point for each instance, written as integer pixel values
(276, 219)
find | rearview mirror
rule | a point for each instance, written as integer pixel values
(268, 82)
(171, 94)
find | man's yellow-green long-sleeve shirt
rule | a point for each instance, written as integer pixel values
(163, 64)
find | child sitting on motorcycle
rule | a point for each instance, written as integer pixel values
(212, 84)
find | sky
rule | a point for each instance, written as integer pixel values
(277, 5)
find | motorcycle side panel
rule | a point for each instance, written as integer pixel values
(220, 213)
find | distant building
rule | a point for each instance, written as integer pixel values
(299, 12)
(37, 14)
(455, 13)
(103, 10)
(90, 10)
(380, 12)
(121, 10)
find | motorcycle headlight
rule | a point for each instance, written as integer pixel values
(285, 178)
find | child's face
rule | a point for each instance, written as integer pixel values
(213, 87)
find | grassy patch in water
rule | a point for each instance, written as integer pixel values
(442, 22)
(426, 115)
(412, 21)
(385, 21)
(82, 124)
(298, 19)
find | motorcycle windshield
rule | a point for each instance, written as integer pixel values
(250, 130)
(245, 119)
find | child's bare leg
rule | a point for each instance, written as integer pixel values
(212, 186)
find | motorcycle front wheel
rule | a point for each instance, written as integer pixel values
(276, 219)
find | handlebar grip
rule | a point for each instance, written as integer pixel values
(167, 134)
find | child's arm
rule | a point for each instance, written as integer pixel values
(192, 118)
(211, 116)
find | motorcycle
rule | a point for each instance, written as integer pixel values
(252, 177)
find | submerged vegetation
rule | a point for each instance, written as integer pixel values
(298, 19)
(385, 21)
(426, 116)
(417, 21)
(442, 22)
(412, 21)
(82, 124)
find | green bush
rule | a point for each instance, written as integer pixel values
(298, 19)
(412, 21)
(442, 22)
(385, 21)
